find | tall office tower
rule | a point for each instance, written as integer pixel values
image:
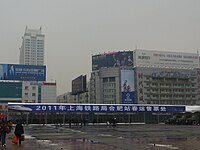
(32, 49)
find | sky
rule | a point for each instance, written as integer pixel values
(77, 29)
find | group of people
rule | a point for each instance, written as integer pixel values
(6, 128)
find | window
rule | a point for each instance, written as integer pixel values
(26, 87)
(33, 88)
(26, 94)
(33, 94)
(105, 80)
(112, 79)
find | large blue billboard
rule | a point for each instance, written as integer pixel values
(22, 72)
(127, 86)
(101, 108)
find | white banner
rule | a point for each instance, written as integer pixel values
(147, 58)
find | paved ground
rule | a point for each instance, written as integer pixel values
(123, 137)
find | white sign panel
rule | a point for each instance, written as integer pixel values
(147, 58)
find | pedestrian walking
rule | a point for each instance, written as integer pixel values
(19, 130)
(3, 130)
(10, 124)
(114, 122)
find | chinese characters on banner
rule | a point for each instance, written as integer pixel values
(96, 108)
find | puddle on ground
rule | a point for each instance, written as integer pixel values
(77, 144)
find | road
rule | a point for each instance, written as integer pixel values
(123, 137)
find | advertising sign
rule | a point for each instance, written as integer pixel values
(148, 58)
(38, 107)
(127, 86)
(122, 59)
(22, 72)
(10, 90)
(79, 84)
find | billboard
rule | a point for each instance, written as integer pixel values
(127, 86)
(10, 90)
(121, 59)
(79, 84)
(51, 107)
(147, 58)
(22, 72)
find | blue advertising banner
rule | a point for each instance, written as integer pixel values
(127, 86)
(38, 107)
(127, 97)
(22, 72)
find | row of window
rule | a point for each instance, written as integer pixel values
(109, 84)
(179, 102)
(34, 39)
(33, 94)
(171, 90)
(170, 85)
(109, 90)
(108, 79)
(27, 87)
(27, 48)
(170, 96)
(109, 96)
(169, 79)
(38, 54)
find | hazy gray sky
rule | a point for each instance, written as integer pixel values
(76, 29)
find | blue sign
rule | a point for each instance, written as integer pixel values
(127, 86)
(22, 72)
(93, 108)
(127, 97)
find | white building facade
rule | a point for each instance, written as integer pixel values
(35, 92)
(32, 48)
(30, 92)
(48, 92)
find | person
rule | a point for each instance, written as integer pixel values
(10, 125)
(11, 70)
(125, 86)
(19, 130)
(4, 130)
(114, 122)
(123, 62)
(116, 61)
(130, 61)
(107, 123)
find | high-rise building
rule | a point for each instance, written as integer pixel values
(32, 49)
(32, 53)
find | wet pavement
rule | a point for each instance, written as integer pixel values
(123, 137)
